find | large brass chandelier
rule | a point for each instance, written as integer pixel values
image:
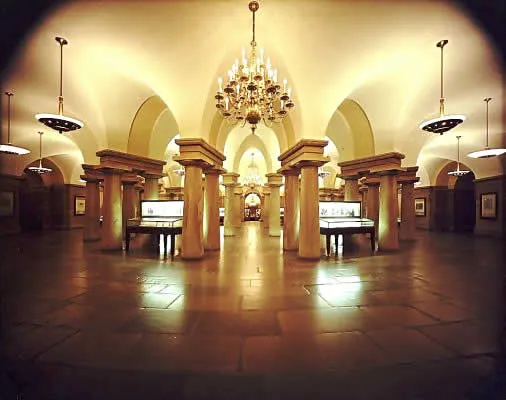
(251, 92)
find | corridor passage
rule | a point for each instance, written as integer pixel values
(250, 321)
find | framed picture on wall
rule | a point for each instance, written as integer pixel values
(79, 205)
(6, 204)
(420, 207)
(488, 205)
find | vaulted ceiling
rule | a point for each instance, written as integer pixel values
(364, 74)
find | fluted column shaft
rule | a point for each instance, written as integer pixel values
(92, 217)
(112, 226)
(309, 234)
(267, 205)
(373, 203)
(292, 213)
(351, 189)
(388, 238)
(228, 226)
(407, 228)
(237, 213)
(212, 206)
(151, 189)
(275, 181)
(192, 236)
(128, 203)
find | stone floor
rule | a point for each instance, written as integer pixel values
(251, 322)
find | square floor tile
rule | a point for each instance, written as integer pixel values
(341, 319)
(466, 338)
(398, 315)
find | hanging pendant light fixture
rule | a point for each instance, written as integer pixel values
(458, 172)
(9, 148)
(40, 169)
(487, 152)
(252, 93)
(60, 122)
(444, 122)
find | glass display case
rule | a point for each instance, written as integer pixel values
(160, 217)
(344, 218)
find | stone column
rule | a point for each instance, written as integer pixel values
(237, 213)
(192, 236)
(129, 198)
(388, 238)
(151, 187)
(373, 202)
(309, 234)
(230, 182)
(407, 228)
(92, 217)
(351, 189)
(112, 226)
(212, 207)
(363, 195)
(292, 212)
(275, 181)
(267, 205)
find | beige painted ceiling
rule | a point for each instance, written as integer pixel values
(378, 55)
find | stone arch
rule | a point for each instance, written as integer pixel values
(220, 130)
(349, 128)
(255, 142)
(442, 177)
(53, 178)
(143, 125)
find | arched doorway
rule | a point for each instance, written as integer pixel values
(464, 209)
(252, 207)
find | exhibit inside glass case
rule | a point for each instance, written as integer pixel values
(159, 217)
(344, 217)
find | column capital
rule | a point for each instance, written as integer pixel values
(303, 152)
(353, 177)
(363, 188)
(215, 171)
(126, 161)
(238, 189)
(393, 171)
(197, 152)
(91, 173)
(408, 175)
(289, 171)
(230, 178)
(112, 170)
(274, 179)
(374, 163)
(130, 178)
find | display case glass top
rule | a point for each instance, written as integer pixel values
(161, 209)
(340, 209)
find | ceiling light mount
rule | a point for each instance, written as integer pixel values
(444, 122)
(60, 122)
(40, 169)
(487, 152)
(458, 172)
(8, 147)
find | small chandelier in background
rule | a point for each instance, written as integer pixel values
(444, 122)
(252, 93)
(9, 148)
(487, 151)
(252, 178)
(60, 122)
(458, 172)
(40, 169)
